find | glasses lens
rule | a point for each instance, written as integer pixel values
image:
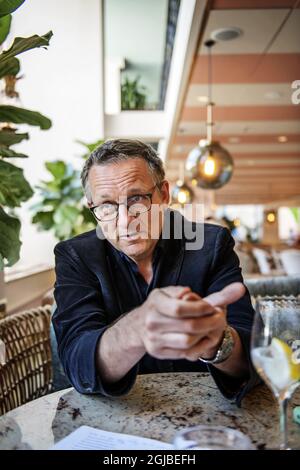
(106, 212)
(137, 207)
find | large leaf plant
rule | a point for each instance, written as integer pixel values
(61, 207)
(14, 188)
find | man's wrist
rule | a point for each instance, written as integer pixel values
(224, 350)
(136, 326)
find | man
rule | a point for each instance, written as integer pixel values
(133, 298)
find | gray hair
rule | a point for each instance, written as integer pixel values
(114, 151)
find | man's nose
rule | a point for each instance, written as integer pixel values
(124, 217)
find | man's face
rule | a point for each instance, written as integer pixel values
(114, 183)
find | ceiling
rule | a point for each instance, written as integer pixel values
(252, 94)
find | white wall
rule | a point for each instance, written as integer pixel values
(64, 83)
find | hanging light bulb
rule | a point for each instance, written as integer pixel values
(209, 167)
(209, 164)
(181, 193)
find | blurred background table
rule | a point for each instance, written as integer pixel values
(158, 406)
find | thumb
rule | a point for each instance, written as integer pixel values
(226, 296)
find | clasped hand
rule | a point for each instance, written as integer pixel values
(178, 324)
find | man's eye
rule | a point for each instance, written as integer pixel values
(135, 199)
(107, 208)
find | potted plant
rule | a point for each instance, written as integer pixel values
(61, 206)
(132, 94)
(14, 188)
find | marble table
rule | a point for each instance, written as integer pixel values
(158, 406)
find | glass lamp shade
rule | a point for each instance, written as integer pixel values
(210, 165)
(181, 193)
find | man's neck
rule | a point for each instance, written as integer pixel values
(145, 265)
(146, 270)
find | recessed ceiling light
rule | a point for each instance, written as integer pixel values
(226, 34)
(234, 140)
(282, 138)
(272, 95)
(202, 98)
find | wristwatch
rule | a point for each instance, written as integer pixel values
(224, 350)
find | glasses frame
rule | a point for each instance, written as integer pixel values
(117, 204)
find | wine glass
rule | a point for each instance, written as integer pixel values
(275, 347)
(208, 437)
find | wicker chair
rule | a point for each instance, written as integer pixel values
(26, 371)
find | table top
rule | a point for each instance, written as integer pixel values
(158, 406)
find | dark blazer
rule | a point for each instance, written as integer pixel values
(93, 289)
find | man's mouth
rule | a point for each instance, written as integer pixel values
(133, 235)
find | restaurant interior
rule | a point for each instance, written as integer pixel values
(214, 87)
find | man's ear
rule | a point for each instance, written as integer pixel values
(165, 192)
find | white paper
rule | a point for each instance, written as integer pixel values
(88, 438)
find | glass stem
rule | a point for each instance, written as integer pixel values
(283, 407)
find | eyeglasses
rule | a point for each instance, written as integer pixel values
(136, 205)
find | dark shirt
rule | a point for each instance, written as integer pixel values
(96, 284)
(133, 271)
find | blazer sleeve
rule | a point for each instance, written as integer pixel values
(225, 269)
(79, 322)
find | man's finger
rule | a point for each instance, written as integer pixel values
(226, 296)
(179, 340)
(178, 308)
(197, 325)
(190, 296)
(176, 291)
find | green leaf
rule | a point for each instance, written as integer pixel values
(44, 219)
(4, 27)
(65, 218)
(73, 194)
(14, 188)
(23, 116)
(68, 183)
(63, 196)
(45, 205)
(57, 168)
(25, 44)
(88, 216)
(8, 138)
(132, 96)
(92, 146)
(66, 213)
(9, 153)
(10, 67)
(9, 238)
(8, 6)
